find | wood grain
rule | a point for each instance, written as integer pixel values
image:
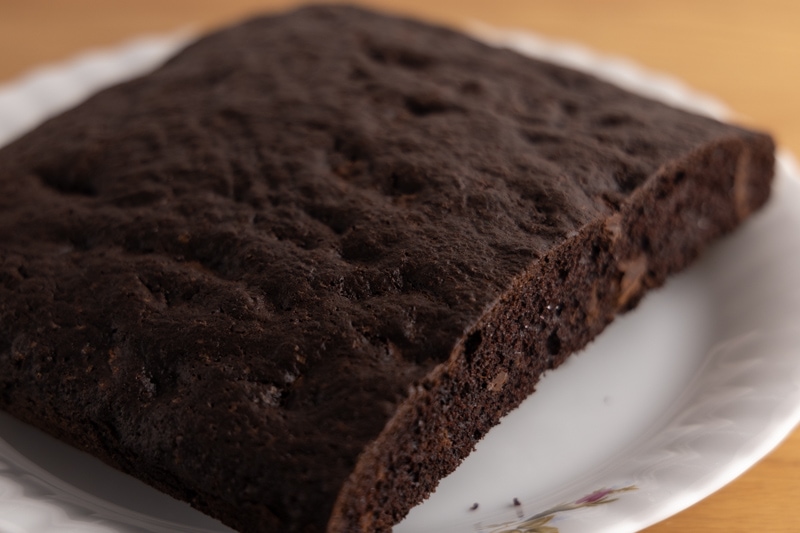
(746, 53)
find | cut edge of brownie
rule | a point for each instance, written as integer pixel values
(552, 310)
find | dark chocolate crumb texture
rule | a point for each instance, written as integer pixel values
(296, 273)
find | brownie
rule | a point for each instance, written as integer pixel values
(297, 272)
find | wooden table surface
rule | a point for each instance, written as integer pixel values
(746, 53)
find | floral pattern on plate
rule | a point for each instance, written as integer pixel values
(538, 523)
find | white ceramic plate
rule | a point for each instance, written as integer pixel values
(672, 402)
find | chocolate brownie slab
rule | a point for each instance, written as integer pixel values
(295, 274)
